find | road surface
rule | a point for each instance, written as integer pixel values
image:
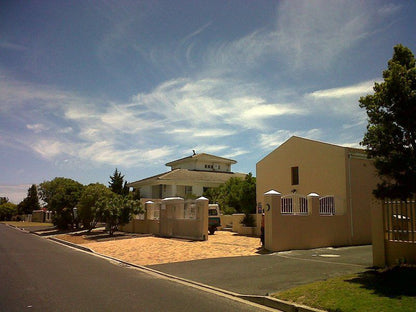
(37, 274)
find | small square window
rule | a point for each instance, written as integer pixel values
(295, 175)
(188, 190)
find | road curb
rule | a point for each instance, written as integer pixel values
(267, 301)
(64, 242)
(278, 304)
(17, 228)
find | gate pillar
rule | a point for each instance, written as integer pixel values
(272, 201)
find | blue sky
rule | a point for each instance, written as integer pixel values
(88, 86)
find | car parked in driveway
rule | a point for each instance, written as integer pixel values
(214, 220)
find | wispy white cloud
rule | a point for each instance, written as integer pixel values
(209, 148)
(389, 9)
(37, 128)
(210, 101)
(312, 34)
(65, 130)
(222, 108)
(273, 140)
(235, 152)
(177, 114)
(359, 89)
(200, 133)
(50, 148)
(11, 46)
(263, 111)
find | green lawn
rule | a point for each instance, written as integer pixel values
(381, 290)
(22, 224)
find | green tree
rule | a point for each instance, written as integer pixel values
(248, 194)
(135, 195)
(115, 211)
(3, 200)
(117, 183)
(61, 196)
(391, 131)
(213, 194)
(31, 202)
(87, 203)
(7, 211)
(235, 195)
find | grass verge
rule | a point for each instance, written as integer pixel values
(22, 224)
(392, 289)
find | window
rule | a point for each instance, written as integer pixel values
(295, 175)
(188, 190)
(212, 212)
(327, 206)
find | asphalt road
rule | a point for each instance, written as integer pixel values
(269, 273)
(37, 274)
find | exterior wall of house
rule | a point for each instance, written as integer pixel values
(324, 169)
(174, 190)
(146, 191)
(186, 164)
(362, 180)
(321, 170)
(162, 191)
(164, 187)
(203, 164)
(212, 166)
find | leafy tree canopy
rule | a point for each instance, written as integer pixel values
(87, 204)
(7, 210)
(235, 195)
(391, 131)
(3, 200)
(116, 211)
(61, 195)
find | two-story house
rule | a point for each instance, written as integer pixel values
(342, 177)
(189, 176)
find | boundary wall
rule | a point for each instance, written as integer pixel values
(173, 217)
(305, 229)
(394, 232)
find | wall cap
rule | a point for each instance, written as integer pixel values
(272, 192)
(312, 195)
(202, 198)
(149, 202)
(173, 198)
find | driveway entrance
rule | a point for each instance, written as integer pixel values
(264, 274)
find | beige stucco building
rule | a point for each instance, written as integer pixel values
(342, 177)
(188, 177)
